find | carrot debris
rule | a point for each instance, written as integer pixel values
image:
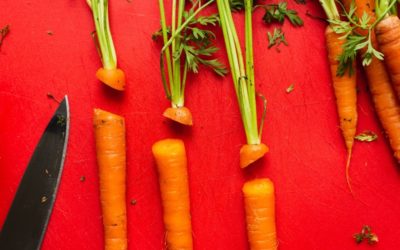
(259, 201)
(179, 114)
(111, 160)
(3, 33)
(170, 157)
(366, 234)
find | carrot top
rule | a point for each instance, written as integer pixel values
(187, 43)
(242, 70)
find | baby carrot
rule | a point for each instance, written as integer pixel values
(388, 36)
(110, 149)
(259, 201)
(170, 157)
(344, 85)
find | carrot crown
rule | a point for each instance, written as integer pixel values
(187, 43)
(242, 71)
(104, 42)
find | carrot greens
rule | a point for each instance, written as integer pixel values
(187, 44)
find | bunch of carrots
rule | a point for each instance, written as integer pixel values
(369, 27)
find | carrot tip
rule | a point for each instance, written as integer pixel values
(250, 153)
(181, 115)
(348, 180)
(114, 78)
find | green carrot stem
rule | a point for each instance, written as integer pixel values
(101, 20)
(385, 8)
(330, 9)
(167, 53)
(250, 60)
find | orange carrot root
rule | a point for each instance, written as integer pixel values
(170, 156)
(250, 153)
(346, 95)
(181, 115)
(388, 36)
(259, 201)
(111, 157)
(115, 78)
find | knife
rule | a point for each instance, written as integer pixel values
(27, 219)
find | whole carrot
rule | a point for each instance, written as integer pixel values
(170, 156)
(110, 149)
(383, 95)
(259, 201)
(388, 36)
(344, 85)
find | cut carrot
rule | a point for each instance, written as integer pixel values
(180, 114)
(115, 78)
(111, 157)
(170, 156)
(250, 153)
(388, 36)
(259, 201)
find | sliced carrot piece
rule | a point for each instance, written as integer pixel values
(111, 159)
(250, 153)
(181, 115)
(170, 156)
(259, 201)
(115, 78)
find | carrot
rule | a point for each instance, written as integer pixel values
(110, 149)
(383, 95)
(109, 74)
(388, 36)
(180, 114)
(344, 85)
(259, 201)
(170, 157)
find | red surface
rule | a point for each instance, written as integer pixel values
(306, 160)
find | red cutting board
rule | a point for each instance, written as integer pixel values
(315, 209)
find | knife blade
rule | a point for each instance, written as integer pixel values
(27, 219)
